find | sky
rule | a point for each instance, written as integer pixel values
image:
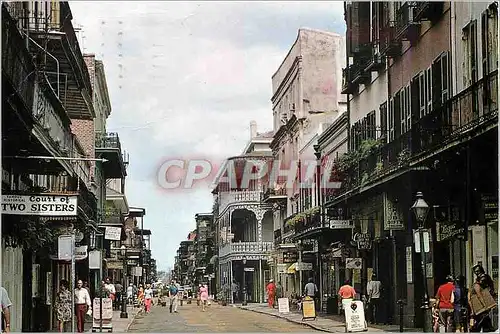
(185, 79)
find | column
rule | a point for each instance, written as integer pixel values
(259, 215)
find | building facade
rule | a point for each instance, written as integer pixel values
(422, 116)
(243, 224)
(306, 97)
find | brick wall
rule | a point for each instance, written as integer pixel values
(84, 132)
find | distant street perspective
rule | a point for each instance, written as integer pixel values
(259, 166)
(215, 319)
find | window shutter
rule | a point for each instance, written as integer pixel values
(383, 122)
(397, 114)
(436, 84)
(417, 98)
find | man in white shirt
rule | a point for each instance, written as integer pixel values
(82, 304)
(6, 304)
(373, 289)
(110, 287)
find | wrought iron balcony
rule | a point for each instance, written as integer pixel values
(376, 62)
(308, 224)
(107, 146)
(348, 87)
(472, 109)
(274, 195)
(427, 10)
(388, 45)
(112, 216)
(277, 237)
(17, 63)
(244, 248)
(235, 197)
(406, 28)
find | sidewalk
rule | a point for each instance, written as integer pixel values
(325, 323)
(322, 323)
(120, 325)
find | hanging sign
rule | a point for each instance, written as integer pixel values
(95, 259)
(40, 205)
(353, 263)
(308, 309)
(363, 241)
(113, 233)
(283, 305)
(354, 316)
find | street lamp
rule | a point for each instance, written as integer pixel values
(123, 251)
(244, 260)
(420, 208)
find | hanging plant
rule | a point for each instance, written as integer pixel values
(351, 158)
(31, 234)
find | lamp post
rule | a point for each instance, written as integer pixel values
(420, 208)
(244, 260)
(123, 313)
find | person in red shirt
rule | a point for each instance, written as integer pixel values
(271, 293)
(445, 299)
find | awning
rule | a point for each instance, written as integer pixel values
(292, 269)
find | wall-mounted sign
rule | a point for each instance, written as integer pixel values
(113, 233)
(95, 259)
(341, 223)
(363, 241)
(393, 219)
(290, 257)
(40, 205)
(353, 263)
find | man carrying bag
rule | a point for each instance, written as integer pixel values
(482, 301)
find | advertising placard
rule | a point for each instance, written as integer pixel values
(354, 316)
(107, 313)
(40, 205)
(308, 309)
(283, 305)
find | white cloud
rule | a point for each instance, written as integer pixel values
(186, 78)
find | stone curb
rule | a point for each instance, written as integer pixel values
(132, 319)
(306, 323)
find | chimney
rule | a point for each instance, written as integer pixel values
(253, 129)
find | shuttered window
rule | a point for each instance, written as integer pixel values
(391, 120)
(383, 122)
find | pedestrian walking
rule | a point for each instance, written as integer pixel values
(148, 298)
(445, 298)
(271, 293)
(460, 305)
(173, 293)
(63, 305)
(235, 291)
(346, 294)
(203, 296)
(110, 287)
(130, 294)
(482, 301)
(82, 305)
(140, 295)
(119, 294)
(311, 290)
(6, 304)
(373, 291)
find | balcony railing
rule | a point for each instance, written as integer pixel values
(233, 197)
(108, 140)
(113, 216)
(427, 10)
(405, 26)
(308, 224)
(469, 109)
(17, 62)
(253, 247)
(274, 194)
(388, 45)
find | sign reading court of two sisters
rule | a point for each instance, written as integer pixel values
(40, 205)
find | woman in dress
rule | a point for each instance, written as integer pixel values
(63, 305)
(148, 298)
(140, 295)
(203, 296)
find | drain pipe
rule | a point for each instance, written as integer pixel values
(47, 53)
(453, 49)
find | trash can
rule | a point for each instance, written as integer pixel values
(332, 306)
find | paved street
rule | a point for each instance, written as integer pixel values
(216, 319)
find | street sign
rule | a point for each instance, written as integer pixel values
(353, 263)
(416, 237)
(249, 269)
